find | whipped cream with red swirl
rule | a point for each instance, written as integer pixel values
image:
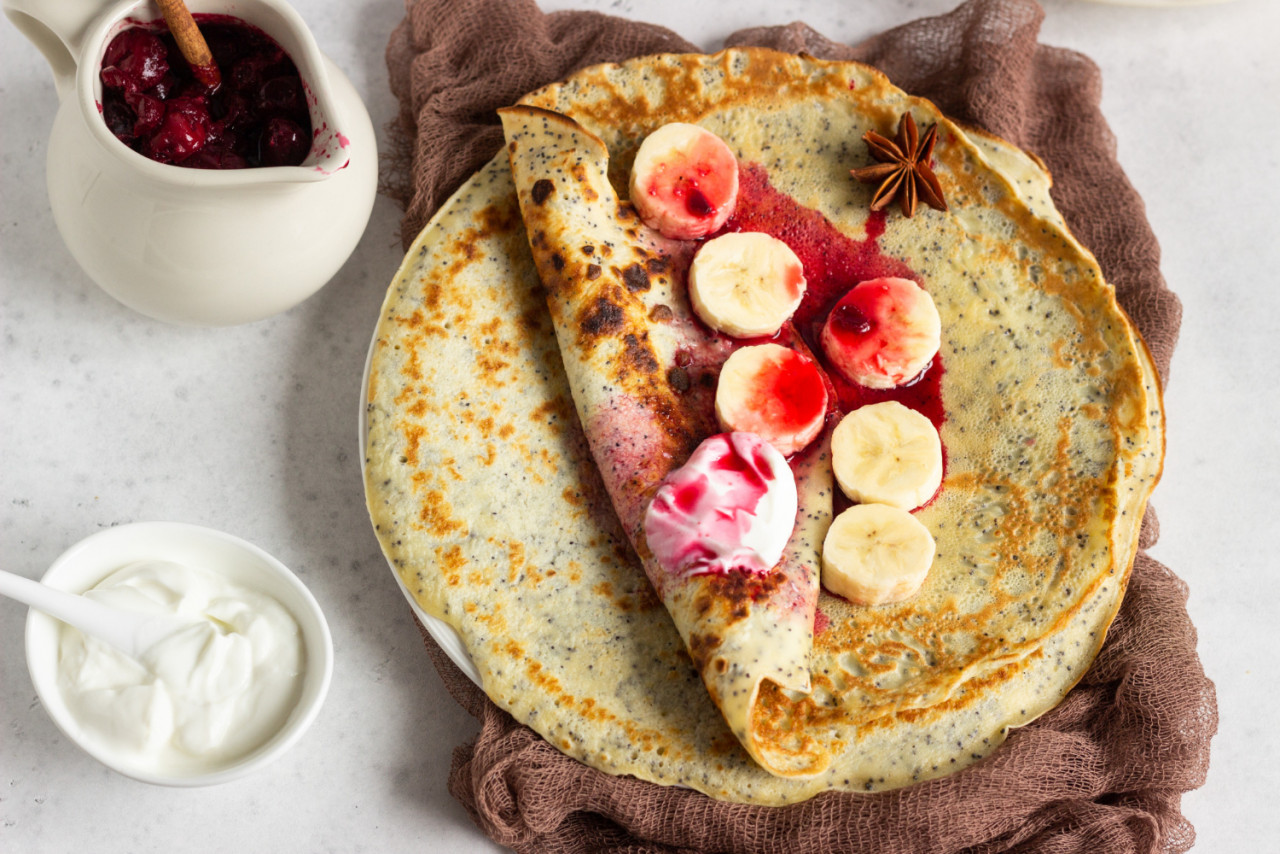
(730, 508)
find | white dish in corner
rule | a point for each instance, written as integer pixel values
(92, 559)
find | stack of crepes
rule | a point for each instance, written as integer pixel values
(508, 421)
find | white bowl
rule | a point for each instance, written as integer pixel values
(88, 562)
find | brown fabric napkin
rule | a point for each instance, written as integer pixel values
(1106, 769)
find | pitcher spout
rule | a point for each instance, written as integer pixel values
(56, 29)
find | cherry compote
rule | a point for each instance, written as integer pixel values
(152, 103)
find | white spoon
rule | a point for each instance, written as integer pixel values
(131, 632)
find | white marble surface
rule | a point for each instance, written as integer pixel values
(107, 417)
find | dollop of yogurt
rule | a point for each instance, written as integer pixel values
(730, 508)
(198, 699)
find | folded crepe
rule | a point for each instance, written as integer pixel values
(504, 417)
(642, 370)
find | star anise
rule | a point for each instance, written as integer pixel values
(903, 169)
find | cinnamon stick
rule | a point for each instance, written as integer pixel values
(190, 41)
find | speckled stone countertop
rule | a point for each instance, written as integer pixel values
(108, 417)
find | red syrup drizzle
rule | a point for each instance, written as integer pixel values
(820, 621)
(833, 264)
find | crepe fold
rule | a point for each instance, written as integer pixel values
(642, 372)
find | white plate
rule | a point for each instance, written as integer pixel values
(440, 631)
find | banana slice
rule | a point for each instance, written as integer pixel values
(885, 453)
(774, 392)
(746, 284)
(684, 181)
(883, 333)
(875, 554)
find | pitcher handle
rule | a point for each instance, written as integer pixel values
(57, 29)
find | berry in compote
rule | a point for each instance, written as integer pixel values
(153, 103)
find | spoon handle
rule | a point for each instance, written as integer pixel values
(130, 633)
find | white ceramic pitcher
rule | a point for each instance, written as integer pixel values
(192, 245)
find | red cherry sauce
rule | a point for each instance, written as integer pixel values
(153, 103)
(751, 471)
(791, 392)
(847, 319)
(833, 264)
(697, 203)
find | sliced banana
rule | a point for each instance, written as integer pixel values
(775, 392)
(883, 333)
(746, 284)
(875, 554)
(886, 453)
(684, 181)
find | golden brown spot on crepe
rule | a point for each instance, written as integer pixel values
(536, 674)
(410, 391)
(638, 354)
(491, 366)
(571, 496)
(451, 562)
(579, 173)
(495, 622)
(413, 320)
(516, 562)
(636, 278)
(500, 218)
(661, 313)
(602, 317)
(413, 365)
(413, 434)
(701, 648)
(737, 590)
(557, 408)
(1060, 359)
(437, 517)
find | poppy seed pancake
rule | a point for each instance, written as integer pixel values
(493, 511)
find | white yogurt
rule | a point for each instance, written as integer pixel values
(201, 698)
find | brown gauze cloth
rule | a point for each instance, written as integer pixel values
(1102, 772)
